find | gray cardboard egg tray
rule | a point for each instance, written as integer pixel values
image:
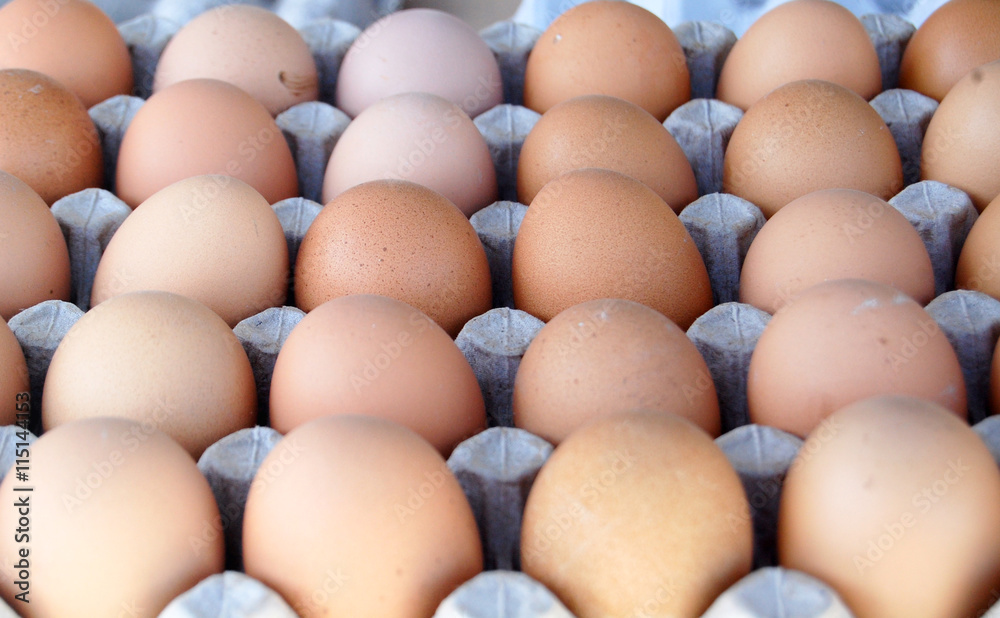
(497, 467)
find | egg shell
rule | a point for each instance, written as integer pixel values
(610, 133)
(595, 233)
(603, 531)
(13, 377)
(846, 340)
(606, 356)
(119, 514)
(979, 263)
(386, 525)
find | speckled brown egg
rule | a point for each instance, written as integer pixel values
(802, 39)
(806, 136)
(834, 234)
(47, 139)
(610, 133)
(160, 359)
(979, 263)
(843, 341)
(398, 239)
(34, 260)
(637, 514)
(13, 375)
(594, 233)
(613, 48)
(953, 40)
(606, 356)
(204, 126)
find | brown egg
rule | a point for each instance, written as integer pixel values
(806, 136)
(607, 356)
(247, 46)
(895, 503)
(594, 234)
(834, 234)
(802, 39)
(121, 522)
(417, 137)
(204, 126)
(71, 41)
(610, 133)
(956, 38)
(613, 48)
(637, 514)
(47, 139)
(34, 260)
(357, 516)
(158, 359)
(962, 144)
(995, 381)
(13, 375)
(210, 238)
(979, 263)
(380, 357)
(843, 341)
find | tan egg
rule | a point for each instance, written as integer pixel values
(203, 126)
(637, 514)
(995, 381)
(397, 239)
(610, 133)
(894, 502)
(843, 341)
(607, 356)
(47, 139)
(802, 39)
(357, 516)
(419, 50)
(13, 375)
(594, 233)
(613, 48)
(806, 136)
(418, 137)
(979, 263)
(962, 144)
(210, 238)
(34, 260)
(834, 234)
(158, 359)
(956, 38)
(247, 46)
(121, 521)
(380, 357)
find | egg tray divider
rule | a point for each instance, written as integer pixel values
(497, 467)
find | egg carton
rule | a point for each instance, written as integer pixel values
(497, 467)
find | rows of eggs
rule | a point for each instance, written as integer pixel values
(392, 268)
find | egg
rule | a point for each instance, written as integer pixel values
(373, 355)
(358, 516)
(120, 520)
(612, 48)
(919, 535)
(610, 133)
(592, 234)
(806, 136)
(995, 381)
(979, 263)
(13, 375)
(802, 39)
(834, 234)
(34, 260)
(419, 50)
(956, 38)
(246, 46)
(398, 239)
(47, 139)
(843, 341)
(606, 356)
(198, 127)
(637, 514)
(71, 41)
(159, 359)
(962, 144)
(417, 137)
(211, 238)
